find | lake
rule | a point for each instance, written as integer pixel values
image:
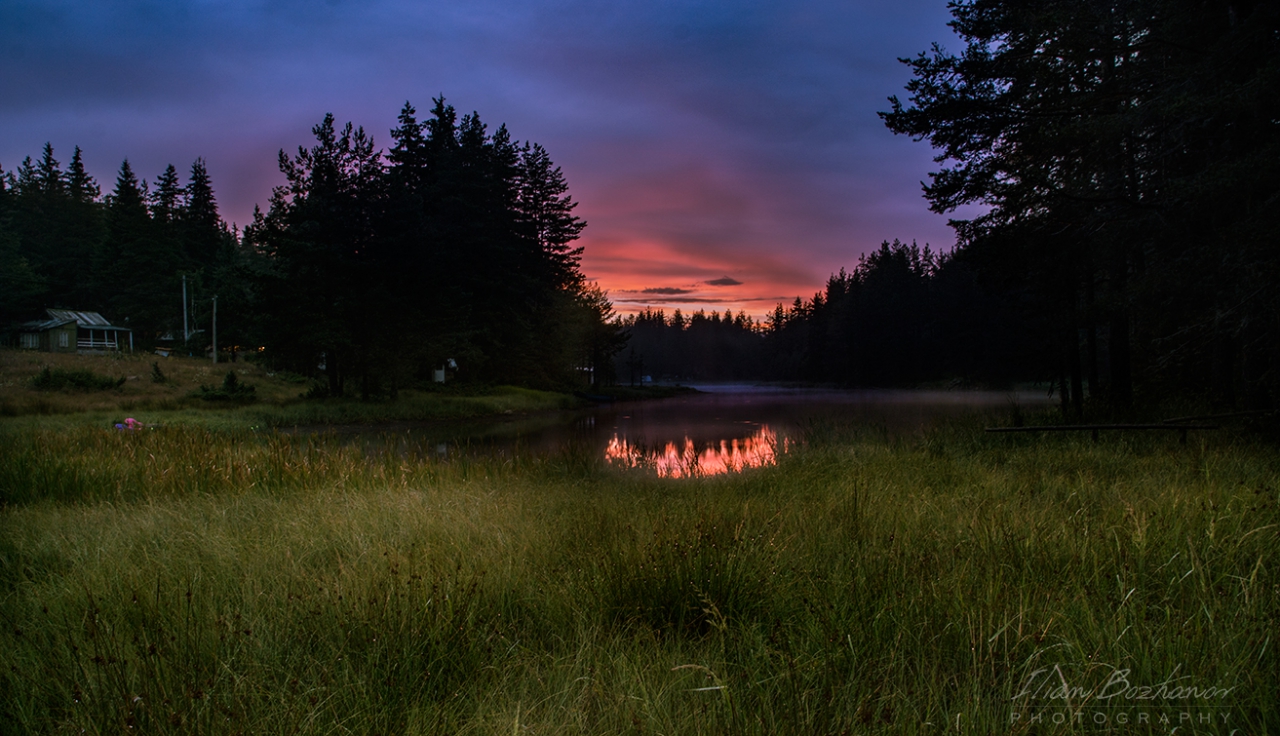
(722, 428)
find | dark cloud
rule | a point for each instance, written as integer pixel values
(737, 136)
(668, 290)
(754, 301)
(726, 281)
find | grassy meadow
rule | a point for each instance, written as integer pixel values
(166, 391)
(198, 579)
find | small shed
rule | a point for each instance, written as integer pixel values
(69, 330)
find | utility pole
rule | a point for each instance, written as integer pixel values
(186, 331)
(215, 329)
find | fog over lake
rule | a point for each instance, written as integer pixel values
(724, 427)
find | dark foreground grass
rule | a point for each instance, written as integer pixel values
(187, 581)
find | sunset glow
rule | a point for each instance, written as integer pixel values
(646, 275)
(684, 459)
(724, 156)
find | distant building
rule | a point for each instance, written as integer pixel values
(70, 331)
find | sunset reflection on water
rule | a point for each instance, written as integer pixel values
(684, 459)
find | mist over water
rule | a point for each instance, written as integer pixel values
(726, 427)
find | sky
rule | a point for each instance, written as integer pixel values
(725, 155)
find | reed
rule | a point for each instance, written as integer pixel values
(226, 581)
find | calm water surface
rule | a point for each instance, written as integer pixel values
(724, 428)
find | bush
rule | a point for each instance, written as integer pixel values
(230, 390)
(56, 379)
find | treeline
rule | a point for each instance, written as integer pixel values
(1124, 153)
(453, 248)
(455, 245)
(904, 316)
(63, 244)
(700, 346)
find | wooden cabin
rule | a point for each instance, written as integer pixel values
(72, 331)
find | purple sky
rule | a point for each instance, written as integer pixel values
(726, 142)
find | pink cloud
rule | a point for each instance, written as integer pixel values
(644, 273)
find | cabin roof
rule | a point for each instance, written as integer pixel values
(83, 319)
(40, 325)
(60, 317)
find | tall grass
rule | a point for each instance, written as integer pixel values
(185, 580)
(52, 386)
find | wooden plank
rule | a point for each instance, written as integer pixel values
(1096, 427)
(1228, 415)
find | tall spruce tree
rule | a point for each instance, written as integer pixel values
(135, 269)
(546, 208)
(166, 199)
(21, 287)
(203, 231)
(1090, 130)
(318, 238)
(56, 223)
(80, 184)
(384, 269)
(83, 224)
(40, 194)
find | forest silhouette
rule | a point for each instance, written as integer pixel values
(1122, 156)
(368, 270)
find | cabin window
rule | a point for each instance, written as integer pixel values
(30, 341)
(62, 339)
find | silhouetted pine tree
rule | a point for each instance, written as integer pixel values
(1118, 149)
(317, 237)
(21, 287)
(136, 269)
(203, 231)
